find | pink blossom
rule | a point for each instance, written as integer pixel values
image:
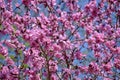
(9, 61)
(58, 55)
(5, 70)
(43, 39)
(79, 55)
(9, 44)
(53, 66)
(26, 2)
(93, 67)
(107, 67)
(54, 77)
(117, 63)
(15, 70)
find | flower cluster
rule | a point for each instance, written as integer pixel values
(59, 40)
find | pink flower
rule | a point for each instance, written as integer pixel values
(67, 73)
(107, 67)
(9, 44)
(99, 37)
(93, 68)
(5, 70)
(54, 77)
(91, 40)
(79, 55)
(56, 47)
(9, 61)
(118, 50)
(109, 44)
(97, 55)
(58, 55)
(117, 63)
(107, 79)
(2, 4)
(38, 63)
(3, 50)
(7, 14)
(56, 32)
(9, 1)
(35, 77)
(53, 2)
(26, 2)
(14, 70)
(53, 66)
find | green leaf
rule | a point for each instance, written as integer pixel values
(1, 66)
(27, 44)
(1, 27)
(25, 65)
(20, 51)
(15, 28)
(13, 58)
(2, 57)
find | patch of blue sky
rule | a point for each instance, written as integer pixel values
(118, 42)
(82, 33)
(3, 37)
(14, 2)
(64, 7)
(82, 3)
(114, 19)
